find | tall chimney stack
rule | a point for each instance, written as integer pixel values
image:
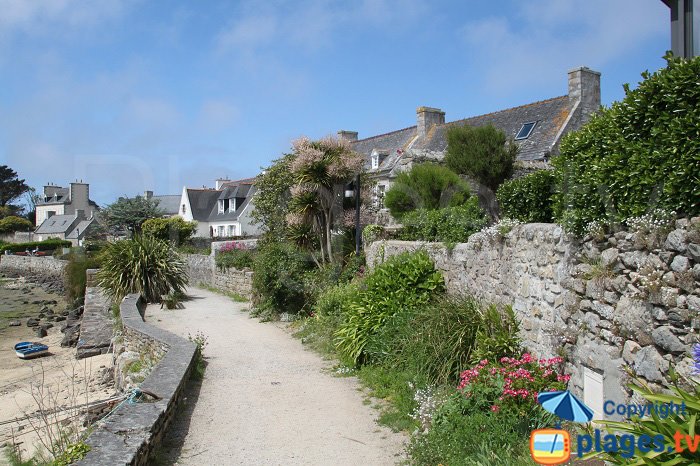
(347, 135)
(427, 117)
(584, 87)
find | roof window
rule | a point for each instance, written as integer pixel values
(526, 130)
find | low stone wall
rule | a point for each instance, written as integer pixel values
(203, 270)
(628, 299)
(134, 431)
(45, 271)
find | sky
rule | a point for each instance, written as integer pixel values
(134, 95)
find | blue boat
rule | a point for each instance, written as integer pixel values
(27, 349)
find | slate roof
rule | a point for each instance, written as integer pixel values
(233, 189)
(170, 204)
(57, 224)
(201, 201)
(79, 229)
(60, 197)
(550, 116)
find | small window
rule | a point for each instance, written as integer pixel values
(184, 209)
(375, 161)
(526, 130)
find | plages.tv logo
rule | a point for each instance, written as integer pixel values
(553, 446)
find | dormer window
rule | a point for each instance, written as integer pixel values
(525, 130)
(375, 161)
(232, 205)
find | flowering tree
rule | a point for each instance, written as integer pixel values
(320, 171)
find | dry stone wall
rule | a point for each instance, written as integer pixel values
(624, 300)
(202, 270)
(45, 271)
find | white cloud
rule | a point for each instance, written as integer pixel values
(547, 37)
(33, 15)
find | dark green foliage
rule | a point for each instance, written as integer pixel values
(173, 229)
(528, 199)
(395, 287)
(426, 186)
(279, 277)
(13, 223)
(144, 265)
(11, 187)
(75, 278)
(272, 196)
(130, 213)
(48, 245)
(446, 336)
(482, 153)
(235, 258)
(642, 153)
(449, 225)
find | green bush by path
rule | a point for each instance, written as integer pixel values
(235, 258)
(75, 277)
(450, 225)
(173, 229)
(426, 186)
(47, 245)
(529, 198)
(143, 264)
(397, 286)
(640, 154)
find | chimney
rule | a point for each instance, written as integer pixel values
(347, 135)
(148, 194)
(427, 118)
(220, 182)
(584, 87)
(79, 214)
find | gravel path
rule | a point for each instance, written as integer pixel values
(265, 399)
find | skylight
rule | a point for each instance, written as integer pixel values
(526, 130)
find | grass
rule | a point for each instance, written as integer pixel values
(233, 295)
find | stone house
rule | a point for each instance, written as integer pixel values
(65, 213)
(223, 211)
(537, 128)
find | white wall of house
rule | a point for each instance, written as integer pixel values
(42, 212)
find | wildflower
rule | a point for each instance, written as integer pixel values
(696, 358)
(495, 408)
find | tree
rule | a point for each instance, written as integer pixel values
(11, 188)
(320, 170)
(12, 223)
(173, 229)
(130, 213)
(426, 186)
(30, 200)
(272, 194)
(482, 153)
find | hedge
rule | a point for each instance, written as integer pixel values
(529, 198)
(640, 154)
(449, 225)
(48, 245)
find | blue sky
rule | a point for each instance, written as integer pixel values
(143, 94)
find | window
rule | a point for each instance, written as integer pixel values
(232, 205)
(526, 130)
(184, 209)
(220, 230)
(375, 161)
(231, 230)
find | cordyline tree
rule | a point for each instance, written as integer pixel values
(320, 171)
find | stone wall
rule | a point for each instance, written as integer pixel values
(202, 270)
(132, 433)
(631, 299)
(45, 271)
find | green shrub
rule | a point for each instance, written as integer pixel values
(50, 244)
(279, 277)
(174, 229)
(235, 258)
(483, 153)
(449, 225)
(639, 154)
(442, 338)
(397, 286)
(75, 278)
(12, 223)
(426, 186)
(336, 299)
(528, 199)
(481, 439)
(144, 265)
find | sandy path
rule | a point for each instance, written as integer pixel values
(266, 400)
